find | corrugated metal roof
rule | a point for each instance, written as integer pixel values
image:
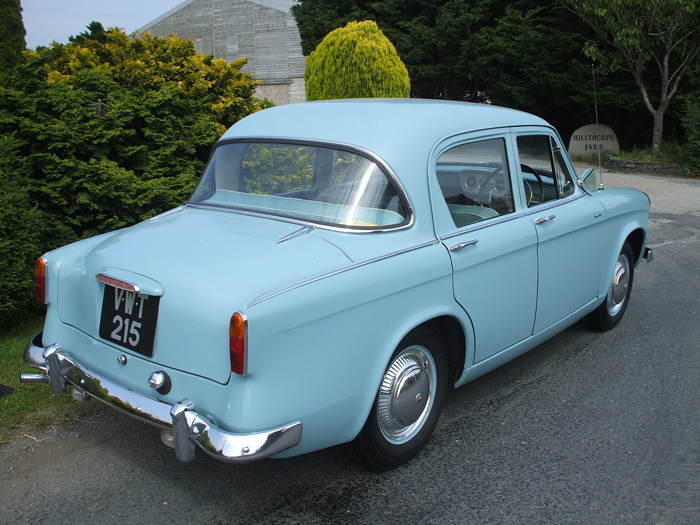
(282, 6)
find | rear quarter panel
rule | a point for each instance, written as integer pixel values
(317, 353)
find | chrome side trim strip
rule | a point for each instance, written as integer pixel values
(188, 427)
(336, 272)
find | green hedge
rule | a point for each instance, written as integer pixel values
(100, 134)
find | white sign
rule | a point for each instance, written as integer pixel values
(592, 138)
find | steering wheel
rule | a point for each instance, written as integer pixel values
(491, 186)
(526, 185)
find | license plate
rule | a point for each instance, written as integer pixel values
(129, 319)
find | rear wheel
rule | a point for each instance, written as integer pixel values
(609, 314)
(408, 403)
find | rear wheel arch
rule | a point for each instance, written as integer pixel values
(454, 341)
(408, 401)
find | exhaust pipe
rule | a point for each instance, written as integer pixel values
(33, 378)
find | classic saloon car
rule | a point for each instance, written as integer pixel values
(339, 266)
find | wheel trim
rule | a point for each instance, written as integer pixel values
(619, 287)
(406, 395)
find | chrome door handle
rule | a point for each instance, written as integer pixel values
(545, 219)
(461, 245)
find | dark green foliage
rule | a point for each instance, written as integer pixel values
(355, 61)
(20, 236)
(12, 33)
(691, 124)
(524, 54)
(100, 134)
(428, 35)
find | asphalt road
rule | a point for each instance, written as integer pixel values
(587, 428)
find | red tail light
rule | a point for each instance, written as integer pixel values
(40, 276)
(238, 329)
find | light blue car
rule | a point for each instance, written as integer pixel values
(339, 267)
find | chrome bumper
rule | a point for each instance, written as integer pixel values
(187, 426)
(648, 254)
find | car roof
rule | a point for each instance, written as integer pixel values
(387, 127)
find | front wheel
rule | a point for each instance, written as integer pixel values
(609, 314)
(408, 403)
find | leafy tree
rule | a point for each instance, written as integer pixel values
(657, 41)
(12, 33)
(102, 133)
(355, 61)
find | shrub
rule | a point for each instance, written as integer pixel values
(355, 61)
(21, 233)
(100, 134)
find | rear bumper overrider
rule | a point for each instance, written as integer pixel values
(184, 427)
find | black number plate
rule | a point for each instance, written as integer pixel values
(129, 319)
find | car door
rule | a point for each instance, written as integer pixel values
(569, 224)
(491, 242)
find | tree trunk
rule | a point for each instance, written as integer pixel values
(658, 133)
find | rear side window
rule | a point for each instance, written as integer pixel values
(475, 182)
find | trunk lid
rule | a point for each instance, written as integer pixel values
(199, 266)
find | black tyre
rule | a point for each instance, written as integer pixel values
(609, 314)
(408, 403)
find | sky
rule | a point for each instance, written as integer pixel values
(49, 20)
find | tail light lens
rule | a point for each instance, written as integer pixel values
(238, 346)
(40, 277)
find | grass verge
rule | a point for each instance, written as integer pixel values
(32, 407)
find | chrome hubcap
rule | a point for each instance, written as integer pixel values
(406, 394)
(619, 286)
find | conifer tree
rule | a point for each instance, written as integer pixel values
(11, 35)
(356, 61)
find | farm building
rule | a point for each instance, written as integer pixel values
(263, 31)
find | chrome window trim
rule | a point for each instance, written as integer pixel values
(531, 211)
(300, 222)
(483, 224)
(328, 144)
(544, 206)
(337, 272)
